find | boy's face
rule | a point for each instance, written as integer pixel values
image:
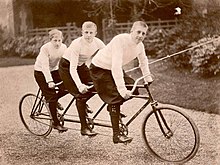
(89, 34)
(56, 41)
(138, 34)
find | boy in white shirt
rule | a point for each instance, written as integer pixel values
(108, 76)
(75, 73)
(46, 73)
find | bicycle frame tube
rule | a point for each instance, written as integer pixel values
(138, 112)
(71, 102)
(149, 99)
(34, 108)
(37, 107)
(100, 109)
(93, 118)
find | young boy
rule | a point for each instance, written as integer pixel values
(46, 73)
(108, 76)
(75, 73)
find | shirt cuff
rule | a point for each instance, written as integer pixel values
(148, 79)
(122, 91)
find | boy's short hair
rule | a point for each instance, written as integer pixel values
(54, 32)
(89, 24)
(139, 23)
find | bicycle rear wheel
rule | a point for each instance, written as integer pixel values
(180, 143)
(35, 115)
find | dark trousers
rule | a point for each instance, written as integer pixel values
(50, 95)
(105, 85)
(81, 99)
(107, 90)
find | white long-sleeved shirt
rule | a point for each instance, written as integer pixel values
(120, 51)
(48, 59)
(79, 52)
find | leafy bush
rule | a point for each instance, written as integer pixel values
(205, 59)
(155, 44)
(162, 42)
(181, 37)
(23, 46)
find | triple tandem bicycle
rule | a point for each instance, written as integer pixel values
(169, 133)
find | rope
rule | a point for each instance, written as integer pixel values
(177, 53)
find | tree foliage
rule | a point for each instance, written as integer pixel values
(137, 9)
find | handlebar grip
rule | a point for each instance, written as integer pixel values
(90, 87)
(59, 83)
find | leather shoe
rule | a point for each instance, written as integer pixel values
(88, 132)
(60, 128)
(121, 139)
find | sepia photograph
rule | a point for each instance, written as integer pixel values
(109, 82)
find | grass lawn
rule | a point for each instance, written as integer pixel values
(186, 89)
(171, 85)
(183, 88)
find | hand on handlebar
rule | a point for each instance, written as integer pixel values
(51, 84)
(148, 80)
(148, 83)
(127, 95)
(83, 88)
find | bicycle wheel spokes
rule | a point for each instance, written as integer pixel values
(35, 115)
(179, 144)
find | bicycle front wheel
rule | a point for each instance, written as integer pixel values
(35, 115)
(180, 140)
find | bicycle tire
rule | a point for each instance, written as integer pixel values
(38, 123)
(184, 143)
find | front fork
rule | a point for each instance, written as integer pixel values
(165, 129)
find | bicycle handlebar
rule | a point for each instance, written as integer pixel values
(59, 83)
(90, 87)
(136, 83)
